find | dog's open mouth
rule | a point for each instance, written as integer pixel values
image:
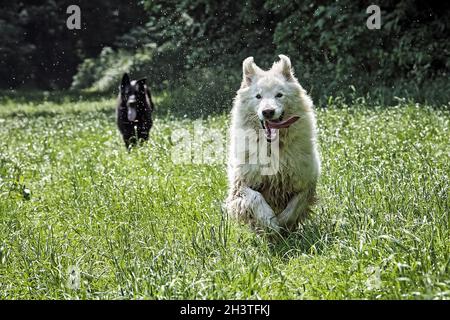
(271, 126)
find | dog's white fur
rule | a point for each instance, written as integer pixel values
(282, 200)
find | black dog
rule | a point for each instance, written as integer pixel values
(134, 111)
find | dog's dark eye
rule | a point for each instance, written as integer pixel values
(279, 95)
(258, 96)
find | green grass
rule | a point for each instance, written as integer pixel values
(136, 225)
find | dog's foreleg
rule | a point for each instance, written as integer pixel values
(296, 209)
(250, 204)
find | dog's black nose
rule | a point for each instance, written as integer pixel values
(268, 113)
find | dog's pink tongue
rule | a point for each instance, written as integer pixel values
(282, 124)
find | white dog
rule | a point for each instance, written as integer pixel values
(274, 103)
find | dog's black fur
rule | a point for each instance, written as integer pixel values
(134, 111)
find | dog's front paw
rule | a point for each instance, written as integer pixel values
(284, 219)
(272, 224)
(286, 224)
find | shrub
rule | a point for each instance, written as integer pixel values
(331, 48)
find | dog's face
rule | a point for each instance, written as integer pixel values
(272, 96)
(133, 94)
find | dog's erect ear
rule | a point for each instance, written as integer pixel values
(249, 70)
(125, 81)
(286, 67)
(141, 83)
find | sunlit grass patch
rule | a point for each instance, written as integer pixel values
(137, 225)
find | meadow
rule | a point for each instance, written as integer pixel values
(81, 218)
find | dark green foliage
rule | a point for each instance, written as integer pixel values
(334, 48)
(176, 43)
(38, 50)
(333, 51)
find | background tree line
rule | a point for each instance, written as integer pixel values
(184, 46)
